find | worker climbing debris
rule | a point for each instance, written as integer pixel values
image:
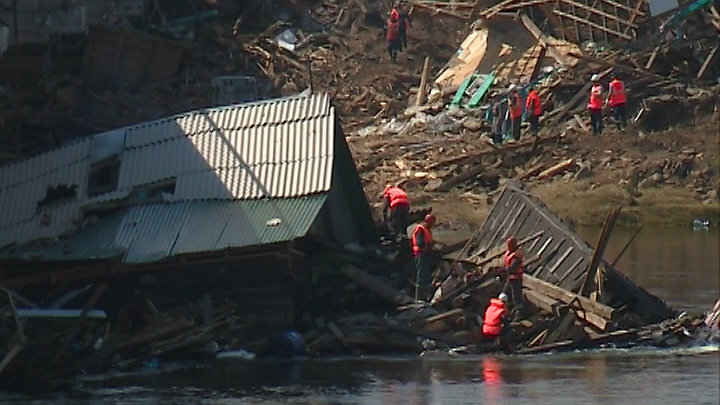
(396, 203)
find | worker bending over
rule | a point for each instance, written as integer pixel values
(395, 200)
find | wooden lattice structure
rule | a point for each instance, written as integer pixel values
(577, 21)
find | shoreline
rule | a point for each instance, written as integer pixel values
(578, 205)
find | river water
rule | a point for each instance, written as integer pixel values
(679, 265)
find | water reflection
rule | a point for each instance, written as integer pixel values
(679, 265)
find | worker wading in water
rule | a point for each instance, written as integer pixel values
(514, 268)
(422, 248)
(617, 99)
(395, 200)
(595, 105)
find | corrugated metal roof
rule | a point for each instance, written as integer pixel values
(151, 232)
(271, 149)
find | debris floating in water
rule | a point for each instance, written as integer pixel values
(700, 224)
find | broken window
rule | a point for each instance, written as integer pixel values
(154, 192)
(61, 192)
(103, 177)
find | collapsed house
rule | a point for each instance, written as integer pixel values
(218, 205)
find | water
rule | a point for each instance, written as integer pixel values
(681, 266)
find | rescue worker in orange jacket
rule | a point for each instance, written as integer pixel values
(514, 269)
(595, 105)
(392, 34)
(422, 248)
(515, 107)
(395, 200)
(533, 106)
(617, 99)
(399, 11)
(495, 323)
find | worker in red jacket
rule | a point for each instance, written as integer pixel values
(514, 269)
(392, 34)
(495, 323)
(617, 99)
(515, 107)
(533, 106)
(422, 248)
(395, 201)
(595, 105)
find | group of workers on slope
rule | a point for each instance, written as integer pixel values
(506, 115)
(507, 108)
(616, 99)
(495, 322)
(396, 30)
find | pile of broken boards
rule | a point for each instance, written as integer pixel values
(669, 75)
(567, 306)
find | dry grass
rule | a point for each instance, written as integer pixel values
(667, 206)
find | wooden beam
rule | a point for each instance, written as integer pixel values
(555, 21)
(474, 12)
(488, 13)
(653, 55)
(621, 6)
(375, 285)
(527, 3)
(707, 63)
(627, 245)
(634, 15)
(540, 37)
(592, 24)
(603, 239)
(591, 10)
(420, 100)
(625, 68)
(567, 297)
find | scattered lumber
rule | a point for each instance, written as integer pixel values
(558, 168)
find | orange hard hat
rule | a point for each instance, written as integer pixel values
(430, 218)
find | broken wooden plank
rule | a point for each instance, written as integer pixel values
(397, 297)
(580, 122)
(465, 175)
(613, 65)
(336, 331)
(558, 168)
(633, 16)
(529, 172)
(540, 37)
(627, 245)
(558, 330)
(420, 100)
(591, 24)
(444, 316)
(567, 297)
(708, 61)
(653, 55)
(603, 239)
